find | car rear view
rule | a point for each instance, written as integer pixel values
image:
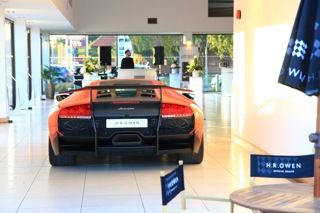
(126, 120)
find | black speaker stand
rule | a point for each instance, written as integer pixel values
(158, 72)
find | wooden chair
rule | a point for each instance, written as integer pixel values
(172, 185)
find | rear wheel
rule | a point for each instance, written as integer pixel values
(193, 158)
(60, 160)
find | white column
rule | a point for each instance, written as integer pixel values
(36, 62)
(45, 56)
(187, 38)
(3, 78)
(20, 49)
(196, 84)
(175, 80)
(187, 52)
(226, 79)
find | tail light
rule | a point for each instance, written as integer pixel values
(77, 112)
(174, 110)
(70, 74)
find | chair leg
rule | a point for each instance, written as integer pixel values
(231, 207)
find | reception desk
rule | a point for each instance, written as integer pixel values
(149, 74)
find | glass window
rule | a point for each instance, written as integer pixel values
(29, 64)
(216, 51)
(10, 68)
(70, 52)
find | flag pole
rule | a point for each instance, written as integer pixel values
(316, 188)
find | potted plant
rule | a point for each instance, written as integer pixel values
(175, 66)
(90, 67)
(48, 73)
(195, 67)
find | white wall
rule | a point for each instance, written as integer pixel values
(127, 16)
(267, 114)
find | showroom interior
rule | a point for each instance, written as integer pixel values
(259, 115)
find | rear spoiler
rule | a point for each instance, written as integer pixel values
(125, 86)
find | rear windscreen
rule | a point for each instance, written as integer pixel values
(128, 92)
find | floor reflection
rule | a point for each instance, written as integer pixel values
(114, 184)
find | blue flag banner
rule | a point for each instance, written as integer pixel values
(172, 184)
(282, 166)
(301, 64)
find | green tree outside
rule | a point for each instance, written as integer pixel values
(221, 45)
(144, 44)
(93, 51)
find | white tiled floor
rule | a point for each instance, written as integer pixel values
(115, 184)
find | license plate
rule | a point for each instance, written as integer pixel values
(127, 123)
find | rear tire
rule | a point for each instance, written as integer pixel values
(193, 158)
(60, 160)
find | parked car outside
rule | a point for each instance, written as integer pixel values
(65, 74)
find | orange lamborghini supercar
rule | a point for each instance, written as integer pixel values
(125, 117)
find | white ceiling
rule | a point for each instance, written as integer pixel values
(42, 13)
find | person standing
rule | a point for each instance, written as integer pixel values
(127, 62)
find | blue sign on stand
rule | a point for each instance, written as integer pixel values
(172, 184)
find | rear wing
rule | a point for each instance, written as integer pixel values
(125, 86)
(64, 94)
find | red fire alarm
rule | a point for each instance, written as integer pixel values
(238, 14)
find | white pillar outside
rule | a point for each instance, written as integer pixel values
(36, 62)
(20, 49)
(3, 77)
